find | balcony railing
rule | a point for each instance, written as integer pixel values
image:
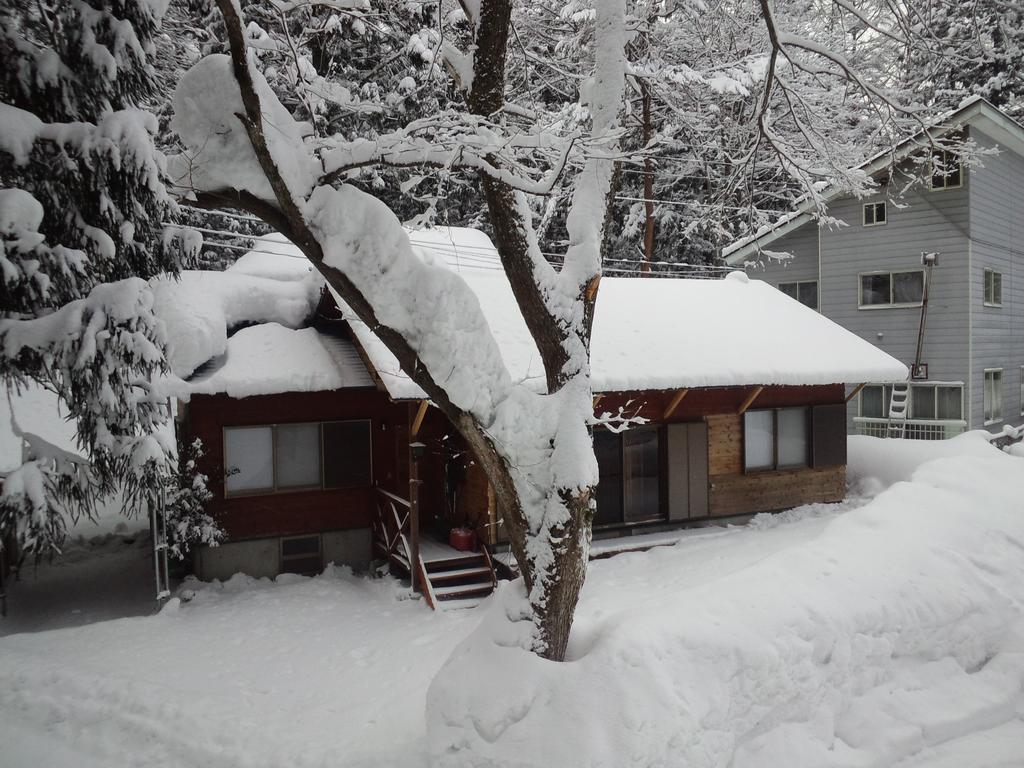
(914, 429)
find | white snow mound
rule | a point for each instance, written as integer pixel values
(896, 627)
(200, 307)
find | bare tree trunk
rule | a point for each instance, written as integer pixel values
(553, 583)
(645, 96)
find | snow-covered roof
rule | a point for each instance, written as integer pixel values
(658, 333)
(269, 358)
(648, 333)
(241, 332)
(974, 110)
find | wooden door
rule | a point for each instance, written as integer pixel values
(687, 470)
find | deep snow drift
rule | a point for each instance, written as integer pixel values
(869, 633)
(896, 628)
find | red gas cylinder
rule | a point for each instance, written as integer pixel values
(462, 539)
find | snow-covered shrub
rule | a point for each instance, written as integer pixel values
(188, 522)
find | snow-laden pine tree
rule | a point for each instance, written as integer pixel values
(82, 208)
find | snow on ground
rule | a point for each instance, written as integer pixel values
(38, 411)
(880, 632)
(106, 576)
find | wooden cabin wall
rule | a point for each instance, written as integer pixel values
(298, 512)
(731, 491)
(734, 493)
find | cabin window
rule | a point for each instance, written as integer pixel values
(629, 466)
(892, 289)
(775, 438)
(874, 214)
(291, 457)
(297, 456)
(347, 462)
(947, 170)
(993, 400)
(804, 291)
(249, 459)
(993, 288)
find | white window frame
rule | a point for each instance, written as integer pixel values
(892, 283)
(935, 386)
(873, 207)
(989, 276)
(988, 410)
(885, 401)
(798, 283)
(945, 179)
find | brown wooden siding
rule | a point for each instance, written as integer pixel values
(725, 444)
(699, 403)
(770, 491)
(300, 512)
(735, 493)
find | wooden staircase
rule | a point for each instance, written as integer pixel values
(460, 581)
(448, 578)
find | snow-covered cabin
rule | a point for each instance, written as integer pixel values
(306, 418)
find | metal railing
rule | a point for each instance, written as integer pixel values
(915, 429)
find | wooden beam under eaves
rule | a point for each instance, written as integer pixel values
(676, 400)
(597, 399)
(750, 399)
(856, 391)
(418, 421)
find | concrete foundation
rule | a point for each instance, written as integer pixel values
(262, 557)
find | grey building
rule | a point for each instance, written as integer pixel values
(933, 274)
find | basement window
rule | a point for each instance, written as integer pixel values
(301, 554)
(874, 214)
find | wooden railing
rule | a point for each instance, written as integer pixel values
(390, 529)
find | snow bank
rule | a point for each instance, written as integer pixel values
(875, 463)
(200, 308)
(895, 627)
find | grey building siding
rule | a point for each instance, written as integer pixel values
(802, 246)
(923, 221)
(974, 227)
(997, 242)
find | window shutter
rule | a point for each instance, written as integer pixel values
(828, 424)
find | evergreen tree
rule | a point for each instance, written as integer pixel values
(82, 208)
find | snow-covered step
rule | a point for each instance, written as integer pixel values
(464, 590)
(457, 605)
(479, 573)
